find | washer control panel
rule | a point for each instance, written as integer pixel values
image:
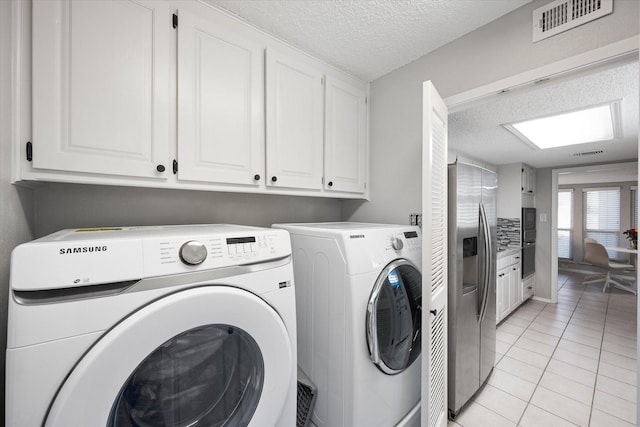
(204, 252)
(405, 241)
(85, 257)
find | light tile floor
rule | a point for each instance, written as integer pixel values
(566, 364)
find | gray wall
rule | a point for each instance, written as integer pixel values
(544, 197)
(498, 50)
(61, 206)
(16, 204)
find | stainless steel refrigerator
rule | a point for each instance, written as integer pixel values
(472, 281)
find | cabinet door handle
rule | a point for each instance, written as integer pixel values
(330, 184)
(256, 177)
(514, 268)
(434, 312)
(274, 178)
(160, 168)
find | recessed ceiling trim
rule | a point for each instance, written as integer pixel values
(621, 51)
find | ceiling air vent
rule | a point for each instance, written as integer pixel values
(589, 153)
(561, 15)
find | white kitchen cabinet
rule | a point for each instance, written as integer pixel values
(528, 179)
(516, 189)
(528, 284)
(294, 90)
(515, 287)
(220, 103)
(101, 87)
(508, 283)
(345, 137)
(503, 305)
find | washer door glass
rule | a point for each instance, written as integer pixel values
(394, 317)
(211, 375)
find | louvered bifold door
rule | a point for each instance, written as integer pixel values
(434, 260)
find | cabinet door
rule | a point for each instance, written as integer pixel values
(294, 122)
(101, 86)
(514, 287)
(527, 287)
(220, 104)
(528, 180)
(345, 137)
(503, 294)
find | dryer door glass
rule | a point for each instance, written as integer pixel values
(210, 376)
(394, 317)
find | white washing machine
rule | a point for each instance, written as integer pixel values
(150, 326)
(358, 296)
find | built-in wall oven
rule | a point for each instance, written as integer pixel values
(528, 241)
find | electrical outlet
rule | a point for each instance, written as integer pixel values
(415, 219)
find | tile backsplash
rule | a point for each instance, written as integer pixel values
(508, 231)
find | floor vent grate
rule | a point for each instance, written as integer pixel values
(307, 393)
(562, 15)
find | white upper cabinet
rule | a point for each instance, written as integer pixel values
(220, 104)
(121, 93)
(345, 137)
(101, 87)
(294, 122)
(528, 179)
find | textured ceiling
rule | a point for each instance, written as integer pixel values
(478, 133)
(368, 38)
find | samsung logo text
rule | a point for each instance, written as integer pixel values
(83, 249)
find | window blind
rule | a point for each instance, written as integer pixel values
(602, 216)
(565, 223)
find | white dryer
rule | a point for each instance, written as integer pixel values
(359, 293)
(149, 326)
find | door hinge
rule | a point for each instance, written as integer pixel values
(175, 21)
(29, 151)
(366, 100)
(175, 166)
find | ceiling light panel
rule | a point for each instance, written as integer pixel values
(593, 124)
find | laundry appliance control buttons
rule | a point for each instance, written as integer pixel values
(193, 252)
(396, 243)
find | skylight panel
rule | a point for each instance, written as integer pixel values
(599, 123)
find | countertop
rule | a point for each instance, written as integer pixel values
(508, 250)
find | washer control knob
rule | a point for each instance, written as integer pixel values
(397, 243)
(193, 252)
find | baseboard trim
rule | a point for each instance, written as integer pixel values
(548, 301)
(576, 270)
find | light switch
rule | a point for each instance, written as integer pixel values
(543, 217)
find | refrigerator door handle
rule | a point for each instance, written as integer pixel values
(487, 262)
